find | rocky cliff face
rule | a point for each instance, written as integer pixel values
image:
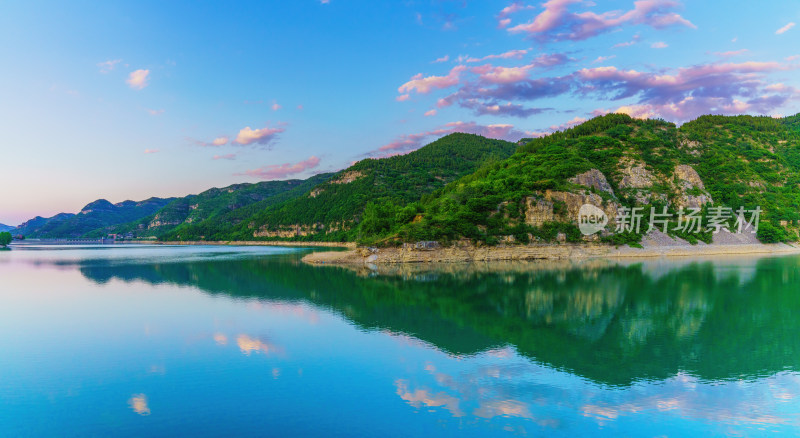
(593, 178)
(543, 207)
(691, 190)
(688, 191)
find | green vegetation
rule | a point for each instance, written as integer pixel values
(465, 186)
(5, 239)
(654, 323)
(744, 162)
(334, 209)
(211, 215)
(99, 214)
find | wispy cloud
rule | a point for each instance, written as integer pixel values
(138, 79)
(659, 45)
(263, 136)
(279, 171)
(430, 113)
(275, 106)
(151, 151)
(784, 29)
(490, 90)
(676, 94)
(410, 142)
(633, 41)
(444, 58)
(424, 85)
(503, 19)
(108, 66)
(558, 23)
(731, 53)
(603, 59)
(721, 88)
(224, 157)
(511, 54)
(155, 112)
(217, 142)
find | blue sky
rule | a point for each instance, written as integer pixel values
(127, 101)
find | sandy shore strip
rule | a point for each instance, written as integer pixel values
(364, 256)
(350, 245)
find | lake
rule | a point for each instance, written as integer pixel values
(249, 341)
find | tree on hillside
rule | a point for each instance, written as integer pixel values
(5, 239)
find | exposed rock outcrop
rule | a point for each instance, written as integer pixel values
(689, 181)
(540, 209)
(348, 177)
(593, 178)
(636, 176)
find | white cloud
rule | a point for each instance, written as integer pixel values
(138, 79)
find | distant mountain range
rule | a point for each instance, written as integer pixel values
(4, 227)
(96, 215)
(327, 206)
(465, 186)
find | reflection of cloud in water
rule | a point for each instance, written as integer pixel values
(250, 345)
(423, 396)
(300, 311)
(519, 389)
(745, 403)
(220, 339)
(138, 403)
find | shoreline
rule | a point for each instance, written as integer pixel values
(468, 253)
(351, 245)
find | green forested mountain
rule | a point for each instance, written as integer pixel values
(465, 186)
(95, 215)
(215, 213)
(613, 162)
(333, 209)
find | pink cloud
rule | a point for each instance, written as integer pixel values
(402, 97)
(502, 18)
(275, 106)
(444, 58)
(557, 23)
(784, 29)
(659, 45)
(731, 53)
(511, 54)
(603, 59)
(430, 113)
(424, 85)
(679, 94)
(151, 151)
(278, 171)
(566, 125)
(632, 42)
(718, 88)
(219, 141)
(107, 66)
(138, 79)
(263, 136)
(155, 112)
(410, 142)
(224, 157)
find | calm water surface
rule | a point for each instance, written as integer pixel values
(209, 341)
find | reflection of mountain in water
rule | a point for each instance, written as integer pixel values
(610, 323)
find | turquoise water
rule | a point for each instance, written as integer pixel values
(210, 341)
